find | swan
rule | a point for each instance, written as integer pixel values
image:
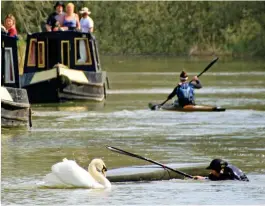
(69, 174)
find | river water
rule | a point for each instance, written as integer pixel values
(81, 131)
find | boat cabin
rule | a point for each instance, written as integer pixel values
(9, 63)
(64, 65)
(15, 107)
(73, 49)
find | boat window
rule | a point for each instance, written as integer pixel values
(41, 54)
(65, 53)
(82, 52)
(32, 53)
(9, 66)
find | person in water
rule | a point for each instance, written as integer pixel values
(222, 170)
(55, 20)
(185, 90)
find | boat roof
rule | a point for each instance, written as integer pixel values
(63, 35)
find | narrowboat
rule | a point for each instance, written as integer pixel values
(15, 107)
(62, 66)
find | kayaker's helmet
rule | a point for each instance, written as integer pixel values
(183, 76)
(217, 165)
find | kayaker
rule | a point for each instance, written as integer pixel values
(222, 170)
(185, 90)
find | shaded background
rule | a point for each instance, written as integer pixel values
(175, 28)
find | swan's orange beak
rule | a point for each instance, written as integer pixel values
(104, 170)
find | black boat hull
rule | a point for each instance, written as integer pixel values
(15, 112)
(61, 87)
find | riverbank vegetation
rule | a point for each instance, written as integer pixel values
(168, 28)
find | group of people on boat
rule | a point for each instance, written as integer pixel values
(61, 20)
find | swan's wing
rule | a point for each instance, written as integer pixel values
(71, 173)
(51, 180)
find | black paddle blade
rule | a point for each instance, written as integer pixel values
(209, 66)
(154, 106)
(114, 149)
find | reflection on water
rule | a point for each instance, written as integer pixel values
(81, 130)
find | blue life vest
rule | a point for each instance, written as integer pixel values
(185, 93)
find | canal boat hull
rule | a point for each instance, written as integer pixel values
(62, 84)
(15, 107)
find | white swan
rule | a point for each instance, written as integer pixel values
(69, 174)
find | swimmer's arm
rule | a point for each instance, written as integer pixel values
(200, 178)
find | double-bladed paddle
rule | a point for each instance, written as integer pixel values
(208, 67)
(157, 106)
(115, 149)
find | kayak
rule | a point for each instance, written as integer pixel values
(154, 172)
(187, 108)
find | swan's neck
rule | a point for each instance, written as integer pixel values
(99, 177)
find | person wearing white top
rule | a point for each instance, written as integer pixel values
(87, 26)
(87, 23)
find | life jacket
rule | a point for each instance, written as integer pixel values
(230, 172)
(185, 93)
(235, 172)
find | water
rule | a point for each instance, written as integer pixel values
(81, 131)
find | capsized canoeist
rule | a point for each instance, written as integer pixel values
(222, 170)
(185, 90)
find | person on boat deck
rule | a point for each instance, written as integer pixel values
(87, 26)
(86, 23)
(56, 18)
(71, 19)
(10, 26)
(222, 170)
(185, 90)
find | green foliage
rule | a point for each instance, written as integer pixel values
(161, 27)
